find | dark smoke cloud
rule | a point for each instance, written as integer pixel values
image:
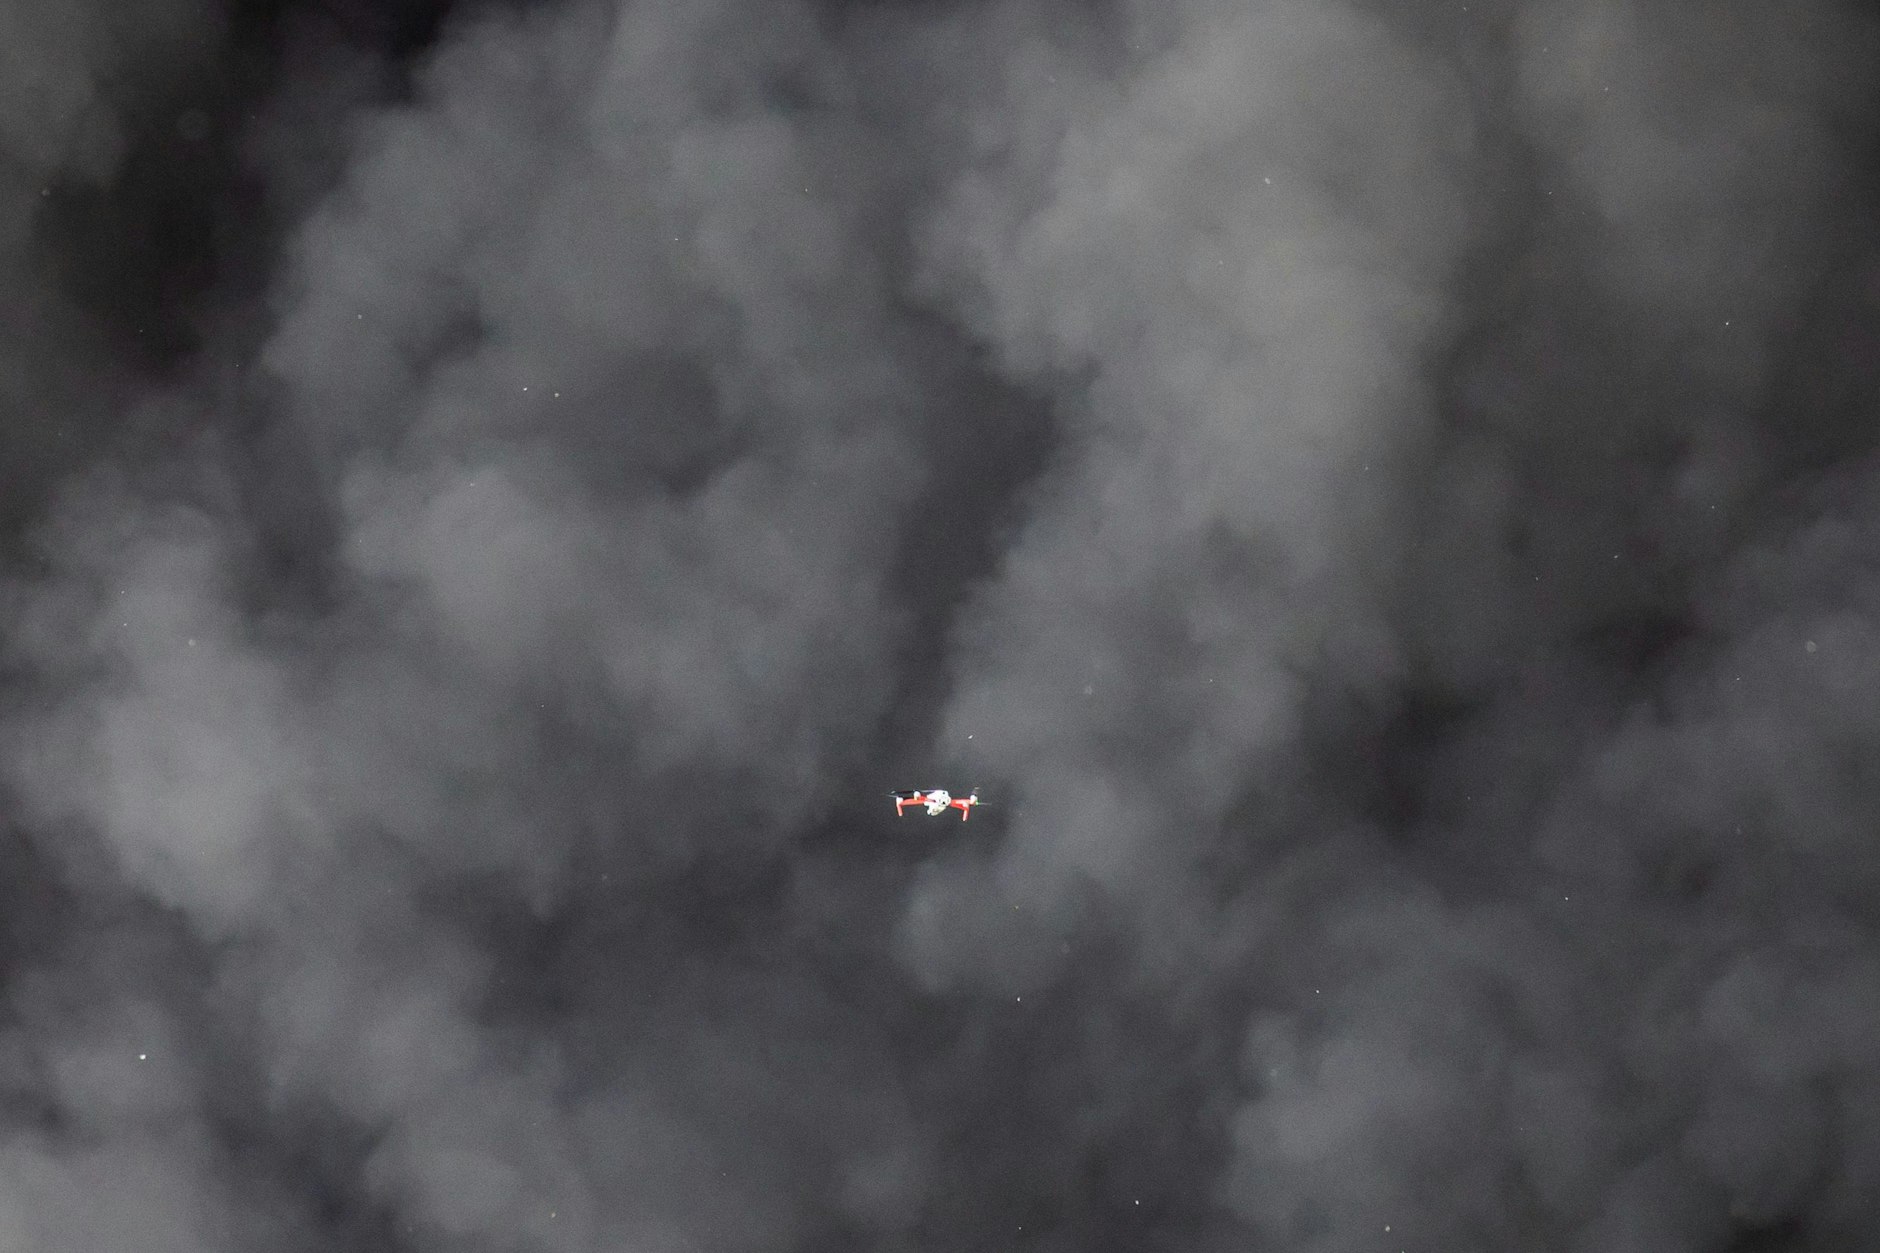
(1380, 499)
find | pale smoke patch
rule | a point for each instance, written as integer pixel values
(1244, 262)
(600, 380)
(75, 80)
(67, 71)
(488, 1157)
(1657, 116)
(1226, 404)
(151, 1193)
(1377, 1101)
(470, 858)
(132, 1166)
(183, 758)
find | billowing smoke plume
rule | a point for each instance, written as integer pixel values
(1379, 498)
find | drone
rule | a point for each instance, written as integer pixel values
(937, 801)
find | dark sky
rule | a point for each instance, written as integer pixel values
(1383, 498)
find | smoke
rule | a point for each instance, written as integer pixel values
(1378, 499)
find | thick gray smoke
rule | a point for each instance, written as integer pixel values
(1381, 499)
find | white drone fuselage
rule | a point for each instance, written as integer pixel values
(935, 802)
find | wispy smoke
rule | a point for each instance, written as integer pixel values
(1379, 499)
